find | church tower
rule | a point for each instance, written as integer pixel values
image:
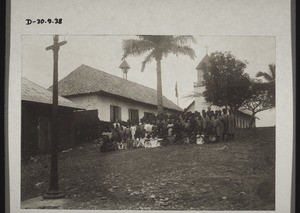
(199, 86)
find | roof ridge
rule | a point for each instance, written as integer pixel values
(32, 82)
(203, 61)
(117, 77)
(32, 86)
(78, 68)
(87, 73)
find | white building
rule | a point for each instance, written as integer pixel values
(243, 117)
(113, 97)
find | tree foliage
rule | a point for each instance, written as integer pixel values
(225, 82)
(259, 99)
(156, 47)
(262, 93)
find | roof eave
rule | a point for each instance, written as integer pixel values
(101, 92)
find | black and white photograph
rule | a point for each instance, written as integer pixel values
(148, 122)
(144, 105)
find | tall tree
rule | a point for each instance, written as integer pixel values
(269, 78)
(258, 101)
(157, 47)
(226, 84)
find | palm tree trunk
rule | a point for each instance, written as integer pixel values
(159, 87)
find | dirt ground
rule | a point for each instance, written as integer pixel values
(235, 175)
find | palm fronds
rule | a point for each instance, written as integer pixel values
(182, 50)
(183, 40)
(148, 59)
(133, 47)
(270, 77)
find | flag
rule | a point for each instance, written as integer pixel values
(176, 90)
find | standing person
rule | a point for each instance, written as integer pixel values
(138, 131)
(170, 129)
(205, 126)
(217, 126)
(177, 130)
(154, 129)
(222, 127)
(133, 130)
(199, 124)
(187, 130)
(209, 112)
(224, 120)
(210, 127)
(231, 125)
(127, 137)
(148, 133)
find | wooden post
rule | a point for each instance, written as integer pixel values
(54, 192)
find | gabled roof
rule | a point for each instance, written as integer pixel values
(245, 111)
(190, 105)
(203, 63)
(35, 93)
(88, 80)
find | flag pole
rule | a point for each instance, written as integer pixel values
(176, 93)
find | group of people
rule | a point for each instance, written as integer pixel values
(180, 128)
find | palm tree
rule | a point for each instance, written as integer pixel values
(269, 77)
(157, 47)
(270, 82)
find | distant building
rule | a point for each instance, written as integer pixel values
(36, 119)
(243, 117)
(115, 98)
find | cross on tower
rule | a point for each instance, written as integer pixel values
(206, 48)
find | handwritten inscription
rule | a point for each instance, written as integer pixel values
(44, 21)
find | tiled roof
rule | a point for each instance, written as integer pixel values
(35, 93)
(245, 111)
(86, 80)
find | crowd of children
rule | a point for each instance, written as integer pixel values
(180, 128)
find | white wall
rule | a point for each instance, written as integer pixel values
(200, 103)
(192, 108)
(242, 121)
(102, 104)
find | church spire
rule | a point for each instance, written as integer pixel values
(206, 49)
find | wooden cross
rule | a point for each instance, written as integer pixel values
(55, 46)
(54, 191)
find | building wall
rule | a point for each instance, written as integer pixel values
(102, 104)
(36, 135)
(200, 103)
(200, 79)
(243, 121)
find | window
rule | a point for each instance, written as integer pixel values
(115, 113)
(133, 115)
(148, 115)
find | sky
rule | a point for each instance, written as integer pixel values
(104, 52)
